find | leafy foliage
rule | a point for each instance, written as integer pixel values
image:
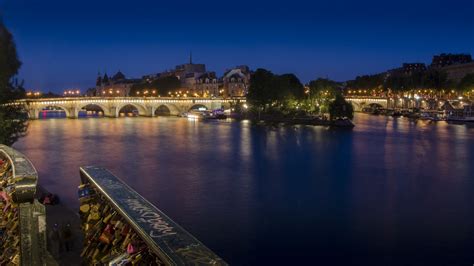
(398, 81)
(163, 85)
(321, 91)
(467, 83)
(13, 118)
(436, 79)
(366, 82)
(270, 91)
(261, 89)
(340, 108)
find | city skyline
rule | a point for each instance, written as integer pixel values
(336, 40)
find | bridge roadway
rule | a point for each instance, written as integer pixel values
(111, 106)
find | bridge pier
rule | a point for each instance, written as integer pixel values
(113, 112)
(73, 113)
(33, 114)
(150, 111)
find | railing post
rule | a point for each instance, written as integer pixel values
(24, 215)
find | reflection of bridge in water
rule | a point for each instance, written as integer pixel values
(111, 107)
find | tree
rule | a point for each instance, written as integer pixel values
(261, 93)
(466, 84)
(13, 118)
(289, 91)
(277, 92)
(436, 79)
(367, 82)
(340, 108)
(163, 85)
(320, 92)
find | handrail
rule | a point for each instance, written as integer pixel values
(23, 217)
(24, 178)
(166, 239)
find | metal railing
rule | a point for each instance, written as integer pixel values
(162, 241)
(23, 218)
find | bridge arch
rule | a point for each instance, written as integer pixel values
(48, 107)
(140, 108)
(360, 103)
(198, 106)
(174, 110)
(163, 110)
(105, 109)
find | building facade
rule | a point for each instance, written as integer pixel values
(443, 60)
(410, 68)
(206, 85)
(459, 71)
(236, 81)
(117, 86)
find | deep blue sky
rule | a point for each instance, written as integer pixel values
(63, 44)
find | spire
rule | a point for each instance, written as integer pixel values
(191, 57)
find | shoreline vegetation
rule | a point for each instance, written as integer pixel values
(276, 99)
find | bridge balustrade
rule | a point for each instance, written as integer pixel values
(22, 218)
(120, 226)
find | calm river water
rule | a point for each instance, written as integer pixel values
(390, 192)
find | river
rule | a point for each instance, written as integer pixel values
(389, 192)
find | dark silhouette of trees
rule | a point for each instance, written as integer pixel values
(466, 84)
(13, 116)
(340, 108)
(320, 92)
(162, 85)
(270, 91)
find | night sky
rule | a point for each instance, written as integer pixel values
(64, 44)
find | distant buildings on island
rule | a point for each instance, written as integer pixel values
(193, 79)
(456, 66)
(188, 79)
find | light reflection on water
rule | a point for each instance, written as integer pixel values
(392, 191)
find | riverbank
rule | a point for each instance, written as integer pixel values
(64, 233)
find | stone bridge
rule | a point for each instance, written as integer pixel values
(360, 102)
(112, 106)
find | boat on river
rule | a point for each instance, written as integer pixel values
(432, 116)
(461, 115)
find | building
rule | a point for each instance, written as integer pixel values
(236, 81)
(117, 86)
(410, 68)
(459, 71)
(443, 60)
(186, 73)
(206, 85)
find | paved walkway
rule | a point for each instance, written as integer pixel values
(58, 219)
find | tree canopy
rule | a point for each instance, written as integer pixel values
(13, 118)
(366, 82)
(340, 108)
(163, 85)
(467, 83)
(268, 90)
